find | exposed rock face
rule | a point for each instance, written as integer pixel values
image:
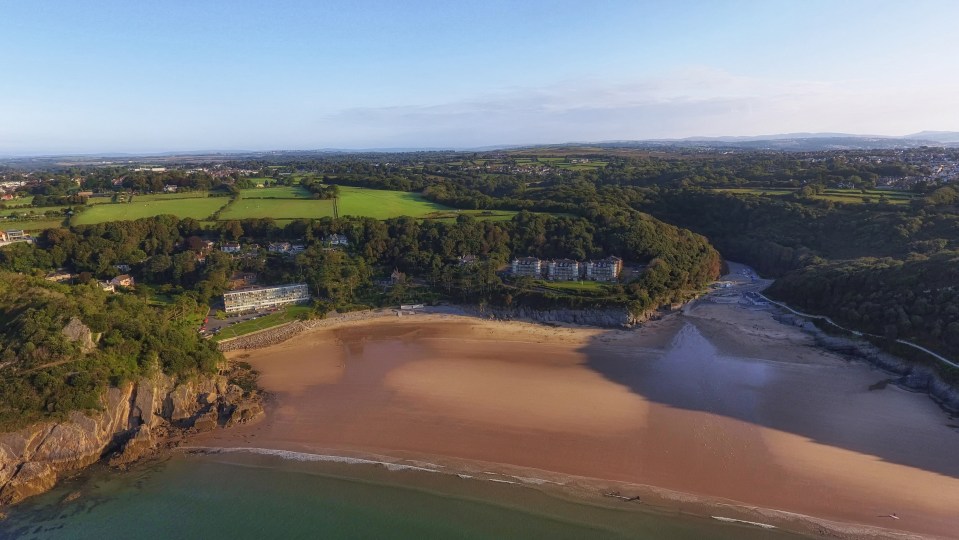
(76, 331)
(134, 420)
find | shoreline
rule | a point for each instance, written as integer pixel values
(614, 494)
(749, 335)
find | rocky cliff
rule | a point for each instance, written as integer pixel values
(134, 420)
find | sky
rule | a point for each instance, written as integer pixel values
(118, 76)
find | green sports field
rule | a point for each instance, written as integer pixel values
(197, 208)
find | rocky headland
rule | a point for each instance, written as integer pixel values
(136, 419)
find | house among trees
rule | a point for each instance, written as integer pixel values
(397, 277)
(231, 247)
(337, 240)
(169, 188)
(562, 270)
(125, 268)
(607, 269)
(107, 286)
(14, 236)
(123, 280)
(527, 266)
(286, 248)
(278, 247)
(465, 260)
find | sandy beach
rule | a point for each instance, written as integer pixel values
(722, 404)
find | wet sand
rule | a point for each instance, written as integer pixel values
(722, 403)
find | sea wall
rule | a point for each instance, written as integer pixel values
(134, 420)
(916, 377)
(263, 338)
(278, 334)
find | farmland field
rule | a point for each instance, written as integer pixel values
(31, 225)
(197, 208)
(757, 191)
(29, 210)
(353, 201)
(278, 209)
(835, 195)
(282, 203)
(169, 196)
(276, 192)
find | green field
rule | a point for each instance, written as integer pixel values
(38, 211)
(267, 321)
(22, 201)
(276, 192)
(197, 208)
(848, 196)
(353, 201)
(282, 203)
(756, 191)
(485, 215)
(170, 196)
(278, 209)
(31, 225)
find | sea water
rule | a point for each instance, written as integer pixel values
(255, 496)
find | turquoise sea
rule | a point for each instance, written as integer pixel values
(242, 496)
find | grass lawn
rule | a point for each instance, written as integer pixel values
(566, 286)
(197, 208)
(266, 321)
(276, 192)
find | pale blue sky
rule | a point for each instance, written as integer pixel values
(105, 76)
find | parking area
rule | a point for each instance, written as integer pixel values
(214, 326)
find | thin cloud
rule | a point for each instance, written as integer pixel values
(696, 101)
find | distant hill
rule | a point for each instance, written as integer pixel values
(937, 136)
(787, 142)
(794, 142)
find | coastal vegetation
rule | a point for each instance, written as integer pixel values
(62, 346)
(878, 260)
